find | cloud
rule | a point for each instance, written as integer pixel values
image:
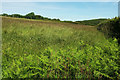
(60, 0)
(25, 7)
(30, 5)
(63, 11)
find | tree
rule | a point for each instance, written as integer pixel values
(56, 19)
(4, 14)
(30, 15)
(17, 15)
(38, 17)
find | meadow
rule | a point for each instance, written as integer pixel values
(54, 49)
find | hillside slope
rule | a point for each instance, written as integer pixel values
(51, 49)
(32, 16)
(92, 22)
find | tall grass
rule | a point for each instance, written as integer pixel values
(46, 49)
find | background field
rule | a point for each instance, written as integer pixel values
(54, 49)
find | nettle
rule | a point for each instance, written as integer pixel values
(84, 61)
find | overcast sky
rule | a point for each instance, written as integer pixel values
(64, 10)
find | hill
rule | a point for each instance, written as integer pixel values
(38, 49)
(92, 22)
(32, 15)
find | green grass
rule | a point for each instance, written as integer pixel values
(92, 22)
(46, 49)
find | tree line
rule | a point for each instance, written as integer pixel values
(32, 15)
(29, 16)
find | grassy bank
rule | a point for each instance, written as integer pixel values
(52, 49)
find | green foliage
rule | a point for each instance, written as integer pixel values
(43, 49)
(38, 17)
(56, 19)
(93, 22)
(17, 16)
(30, 15)
(93, 62)
(111, 27)
(4, 14)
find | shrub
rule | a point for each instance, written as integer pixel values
(30, 15)
(111, 28)
(84, 62)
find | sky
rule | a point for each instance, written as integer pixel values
(72, 11)
(60, 0)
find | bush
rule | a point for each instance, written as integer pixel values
(4, 14)
(30, 15)
(17, 15)
(111, 28)
(84, 62)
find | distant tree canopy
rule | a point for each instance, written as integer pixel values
(17, 15)
(39, 17)
(92, 22)
(30, 15)
(4, 14)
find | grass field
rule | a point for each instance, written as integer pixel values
(54, 49)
